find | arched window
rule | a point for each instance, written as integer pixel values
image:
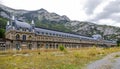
(30, 37)
(17, 37)
(24, 37)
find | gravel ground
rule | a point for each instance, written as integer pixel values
(111, 61)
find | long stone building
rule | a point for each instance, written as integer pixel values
(21, 35)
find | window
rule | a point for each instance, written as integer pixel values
(46, 33)
(60, 35)
(24, 37)
(46, 46)
(18, 29)
(56, 34)
(42, 33)
(38, 32)
(27, 29)
(30, 46)
(53, 34)
(38, 45)
(17, 37)
(50, 34)
(13, 24)
(30, 37)
(64, 35)
(24, 29)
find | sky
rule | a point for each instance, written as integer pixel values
(105, 12)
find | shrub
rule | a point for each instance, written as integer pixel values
(39, 53)
(61, 48)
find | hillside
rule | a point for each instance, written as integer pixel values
(88, 29)
(53, 21)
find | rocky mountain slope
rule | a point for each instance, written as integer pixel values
(45, 19)
(89, 29)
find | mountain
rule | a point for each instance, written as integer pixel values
(53, 21)
(89, 29)
(41, 17)
(45, 16)
(7, 12)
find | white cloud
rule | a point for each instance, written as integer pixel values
(108, 22)
(71, 8)
(98, 10)
(102, 12)
(100, 7)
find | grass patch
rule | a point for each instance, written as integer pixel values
(73, 59)
(116, 56)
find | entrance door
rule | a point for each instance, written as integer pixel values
(30, 46)
(46, 46)
(17, 46)
(38, 46)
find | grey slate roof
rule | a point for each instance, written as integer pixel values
(40, 30)
(20, 24)
(49, 31)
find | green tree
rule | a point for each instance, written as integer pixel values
(2, 33)
(3, 22)
(118, 42)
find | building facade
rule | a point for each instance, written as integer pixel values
(21, 35)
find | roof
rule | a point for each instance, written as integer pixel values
(40, 30)
(49, 31)
(22, 24)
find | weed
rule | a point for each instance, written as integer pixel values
(116, 56)
(49, 59)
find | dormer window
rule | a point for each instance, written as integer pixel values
(53, 34)
(27, 29)
(42, 33)
(18, 29)
(50, 34)
(24, 29)
(46, 33)
(56, 34)
(38, 32)
(13, 23)
(60, 35)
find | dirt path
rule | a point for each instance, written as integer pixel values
(111, 61)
